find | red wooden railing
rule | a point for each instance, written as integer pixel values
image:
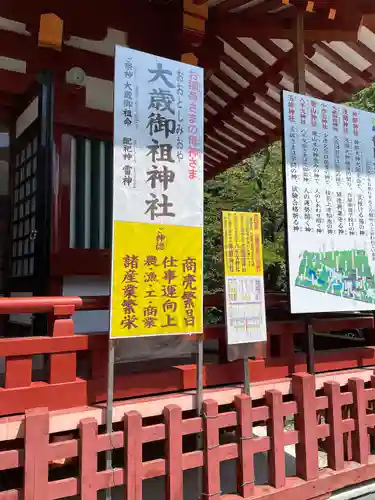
(135, 465)
(76, 372)
(280, 322)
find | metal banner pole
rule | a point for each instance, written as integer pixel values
(300, 79)
(310, 348)
(199, 397)
(109, 416)
(200, 375)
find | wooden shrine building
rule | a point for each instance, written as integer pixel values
(56, 93)
(56, 165)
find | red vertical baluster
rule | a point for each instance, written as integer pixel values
(36, 454)
(335, 441)
(88, 429)
(306, 423)
(63, 366)
(133, 466)
(173, 452)
(245, 464)
(275, 431)
(360, 437)
(211, 466)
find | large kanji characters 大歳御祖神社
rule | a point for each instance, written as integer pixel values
(158, 197)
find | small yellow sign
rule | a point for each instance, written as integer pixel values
(243, 254)
(157, 280)
(244, 283)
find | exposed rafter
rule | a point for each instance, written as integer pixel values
(316, 28)
(260, 8)
(245, 114)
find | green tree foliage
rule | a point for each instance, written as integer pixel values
(256, 185)
(365, 99)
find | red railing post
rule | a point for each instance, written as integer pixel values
(245, 463)
(335, 440)
(211, 454)
(360, 438)
(173, 452)
(63, 366)
(88, 429)
(133, 465)
(303, 386)
(36, 454)
(275, 431)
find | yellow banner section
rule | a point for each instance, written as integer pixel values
(243, 254)
(157, 283)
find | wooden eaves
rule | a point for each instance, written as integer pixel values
(249, 49)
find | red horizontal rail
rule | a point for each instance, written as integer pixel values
(291, 327)
(28, 346)
(25, 305)
(62, 389)
(101, 302)
(68, 391)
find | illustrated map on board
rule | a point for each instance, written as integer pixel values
(329, 153)
(346, 274)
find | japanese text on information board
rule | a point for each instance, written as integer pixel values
(330, 166)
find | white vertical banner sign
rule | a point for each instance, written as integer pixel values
(329, 153)
(157, 250)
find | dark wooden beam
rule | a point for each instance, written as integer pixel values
(367, 54)
(257, 84)
(253, 58)
(227, 144)
(299, 53)
(232, 84)
(253, 124)
(245, 52)
(232, 134)
(223, 153)
(262, 142)
(209, 53)
(340, 92)
(159, 30)
(81, 19)
(252, 121)
(241, 71)
(227, 6)
(261, 8)
(12, 82)
(25, 48)
(341, 6)
(359, 79)
(236, 159)
(316, 28)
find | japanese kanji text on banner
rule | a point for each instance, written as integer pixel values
(244, 282)
(157, 197)
(330, 181)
